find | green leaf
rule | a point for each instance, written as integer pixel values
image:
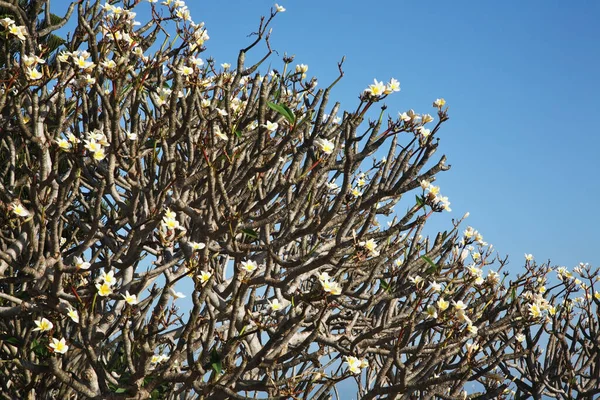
(283, 110)
(420, 201)
(120, 390)
(251, 233)
(238, 133)
(433, 268)
(13, 340)
(513, 294)
(39, 349)
(10, 340)
(215, 362)
(385, 285)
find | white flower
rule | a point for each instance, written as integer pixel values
(376, 89)
(131, 299)
(21, 211)
(99, 154)
(520, 337)
(204, 276)
(431, 312)
(416, 279)
(197, 245)
(249, 266)
(370, 246)
(459, 305)
(131, 136)
(534, 310)
(271, 126)
(275, 305)
(439, 103)
(332, 287)
(528, 257)
(327, 146)
(436, 287)
(471, 347)
(354, 364)
(73, 314)
(158, 358)
(108, 278)
(104, 289)
(472, 328)
(6, 22)
(302, 68)
(80, 263)
(63, 143)
(170, 214)
(59, 346)
(72, 138)
(332, 186)
(424, 132)
(196, 61)
(185, 70)
(462, 317)
(218, 133)
(279, 8)
(324, 276)
(170, 223)
(445, 203)
(43, 325)
(442, 304)
(110, 64)
(393, 86)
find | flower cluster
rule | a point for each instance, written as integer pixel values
(470, 234)
(378, 89)
(12, 29)
(44, 325)
(355, 364)
(329, 284)
(105, 283)
(433, 195)
(95, 143)
(370, 246)
(169, 221)
(538, 306)
(79, 61)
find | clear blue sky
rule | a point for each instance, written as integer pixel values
(521, 80)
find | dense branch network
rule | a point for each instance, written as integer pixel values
(131, 169)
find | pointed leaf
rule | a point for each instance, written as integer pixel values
(251, 233)
(419, 201)
(433, 268)
(215, 362)
(284, 111)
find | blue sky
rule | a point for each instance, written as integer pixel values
(520, 78)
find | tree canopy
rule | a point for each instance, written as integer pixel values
(171, 228)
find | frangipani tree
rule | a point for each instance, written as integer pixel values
(131, 168)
